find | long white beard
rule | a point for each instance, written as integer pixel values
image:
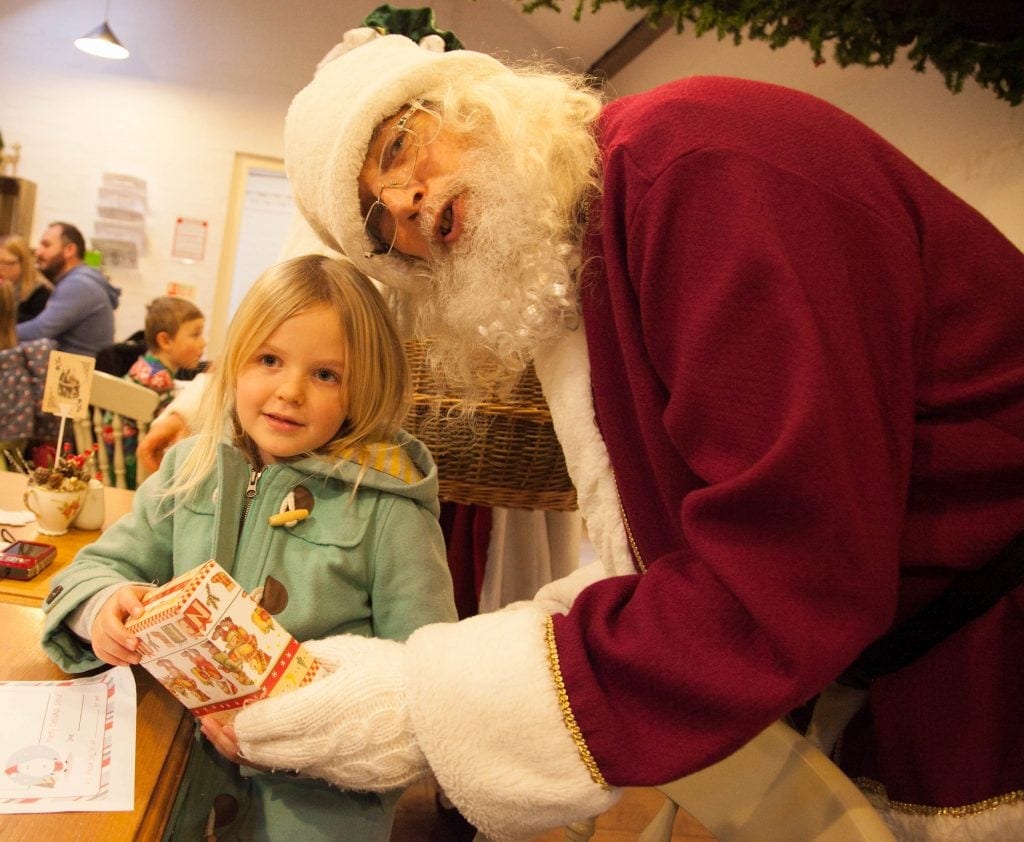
(509, 283)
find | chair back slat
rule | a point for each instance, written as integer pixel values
(126, 402)
(125, 397)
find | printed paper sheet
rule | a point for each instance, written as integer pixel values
(68, 745)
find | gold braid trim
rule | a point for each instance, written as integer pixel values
(563, 702)
(875, 788)
(632, 541)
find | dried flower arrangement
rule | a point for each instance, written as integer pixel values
(70, 472)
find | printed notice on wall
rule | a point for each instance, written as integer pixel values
(180, 290)
(189, 239)
(68, 745)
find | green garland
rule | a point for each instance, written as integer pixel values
(867, 32)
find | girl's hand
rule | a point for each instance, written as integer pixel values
(111, 641)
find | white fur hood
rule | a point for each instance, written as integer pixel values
(563, 369)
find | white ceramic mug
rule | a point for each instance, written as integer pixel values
(54, 510)
(93, 509)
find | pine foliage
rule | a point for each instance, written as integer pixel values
(866, 32)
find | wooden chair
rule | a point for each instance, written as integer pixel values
(125, 401)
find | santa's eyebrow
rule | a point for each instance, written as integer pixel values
(378, 130)
(392, 117)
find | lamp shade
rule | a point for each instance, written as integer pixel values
(102, 42)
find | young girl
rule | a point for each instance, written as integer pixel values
(302, 412)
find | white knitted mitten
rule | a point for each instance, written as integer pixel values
(351, 728)
(558, 596)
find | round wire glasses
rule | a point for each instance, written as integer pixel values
(418, 126)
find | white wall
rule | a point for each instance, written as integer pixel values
(206, 79)
(77, 117)
(972, 142)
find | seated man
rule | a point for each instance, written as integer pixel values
(80, 312)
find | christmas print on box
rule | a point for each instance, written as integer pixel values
(214, 647)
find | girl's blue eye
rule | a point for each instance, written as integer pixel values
(267, 359)
(325, 375)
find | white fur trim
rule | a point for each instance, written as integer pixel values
(434, 43)
(349, 41)
(330, 122)
(563, 368)
(485, 712)
(301, 239)
(998, 824)
(558, 596)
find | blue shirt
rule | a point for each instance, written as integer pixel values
(79, 313)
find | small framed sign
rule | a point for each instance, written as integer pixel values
(68, 383)
(189, 239)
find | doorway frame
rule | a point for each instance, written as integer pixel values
(244, 165)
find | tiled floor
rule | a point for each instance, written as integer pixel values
(419, 820)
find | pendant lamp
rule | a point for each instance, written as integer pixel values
(102, 41)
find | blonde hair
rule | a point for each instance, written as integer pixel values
(8, 316)
(376, 371)
(167, 314)
(30, 276)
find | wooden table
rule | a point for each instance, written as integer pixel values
(162, 741)
(117, 501)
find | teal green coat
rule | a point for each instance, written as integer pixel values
(372, 563)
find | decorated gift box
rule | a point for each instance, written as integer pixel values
(214, 647)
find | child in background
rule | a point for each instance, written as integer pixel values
(174, 341)
(302, 411)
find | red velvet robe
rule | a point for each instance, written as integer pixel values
(808, 366)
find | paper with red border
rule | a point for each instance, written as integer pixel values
(68, 746)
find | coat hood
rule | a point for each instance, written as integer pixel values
(403, 467)
(97, 277)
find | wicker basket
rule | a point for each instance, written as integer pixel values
(507, 456)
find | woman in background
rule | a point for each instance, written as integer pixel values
(18, 268)
(8, 315)
(22, 378)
